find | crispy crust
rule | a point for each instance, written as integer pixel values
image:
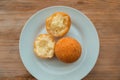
(67, 21)
(38, 39)
(68, 50)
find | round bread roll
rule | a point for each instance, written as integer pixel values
(68, 50)
(58, 24)
(44, 46)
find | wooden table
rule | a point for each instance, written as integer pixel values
(105, 14)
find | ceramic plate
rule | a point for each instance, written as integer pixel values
(81, 29)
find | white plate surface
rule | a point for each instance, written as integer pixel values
(81, 29)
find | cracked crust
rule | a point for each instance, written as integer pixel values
(44, 46)
(58, 24)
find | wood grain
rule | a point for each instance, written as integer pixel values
(105, 14)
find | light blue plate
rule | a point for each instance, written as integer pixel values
(81, 29)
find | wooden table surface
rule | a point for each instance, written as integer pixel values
(105, 14)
